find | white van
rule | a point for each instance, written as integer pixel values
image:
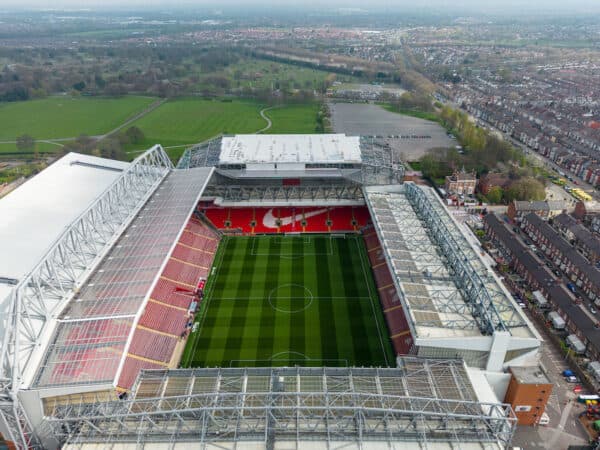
(544, 420)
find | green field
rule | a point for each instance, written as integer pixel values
(306, 300)
(257, 73)
(65, 117)
(191, 120)
(183, 122)
(292, 119)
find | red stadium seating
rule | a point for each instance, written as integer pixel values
(132, 368)
(290, 219)
(388, 296)
(362, 216)
(167, 311)
(152, 345)
(184, 273)
(371, 240)
(164, 318)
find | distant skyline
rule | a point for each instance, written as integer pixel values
(458, 6)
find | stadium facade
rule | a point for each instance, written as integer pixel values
(104, 259)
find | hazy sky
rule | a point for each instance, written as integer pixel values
(550, 6)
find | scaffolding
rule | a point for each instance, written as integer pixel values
(424, 401)
(439, 275)
(489, 304)
(378, 165)
(44, 292)
(263, 193)
(204, 154)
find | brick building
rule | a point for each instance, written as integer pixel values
(545, 209)
(461, 182)
(538, 277)
(528, 392)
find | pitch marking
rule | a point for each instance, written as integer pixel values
(291, 311)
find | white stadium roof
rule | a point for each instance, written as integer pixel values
(290, 148)
(36, 213)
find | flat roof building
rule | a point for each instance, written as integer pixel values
(289, 149)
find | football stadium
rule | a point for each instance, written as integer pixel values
(280, 291)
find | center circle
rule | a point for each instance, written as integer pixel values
(290, 298)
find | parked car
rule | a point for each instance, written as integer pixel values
(557, 273)
(592, 309)
(572, 379)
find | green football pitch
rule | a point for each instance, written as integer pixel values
(306, 300)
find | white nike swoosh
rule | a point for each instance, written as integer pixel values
(269, 220)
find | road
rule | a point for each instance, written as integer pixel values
(532, 154)
(564, 428)
(264, 116)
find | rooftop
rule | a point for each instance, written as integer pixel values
(530, 375)
(36, 213)
(426, 276)
(565, 248)
(557, 293)
(290, 148)
(539, 205)
(430, 401)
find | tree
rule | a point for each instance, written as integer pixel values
(527, 188)
(111, 148)
(80, 86)
(135, 135)
(25, 142)
(495, 194)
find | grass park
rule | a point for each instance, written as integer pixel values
(67, 117)
(306, 300)
(176, 123)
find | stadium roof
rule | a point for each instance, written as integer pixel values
(446, 287)
(36, 213)
(290, 148)
(422, 403)
(93, 329)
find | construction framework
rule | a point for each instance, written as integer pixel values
(245, 193)
(490, 307)
(39, 297)
(425, 401)
(378, 165)
(453, 303)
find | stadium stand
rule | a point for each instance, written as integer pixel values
(152, 345)
(132, 367)
(390, 302)
(166, 316)
(289, 219)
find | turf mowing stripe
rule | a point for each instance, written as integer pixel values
(297, 319)
(358, 330)
(235, 331)
(266, 330)
(385, 343)
(371, 344)
(327, 321)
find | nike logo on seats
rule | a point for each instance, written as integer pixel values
(269, 220)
